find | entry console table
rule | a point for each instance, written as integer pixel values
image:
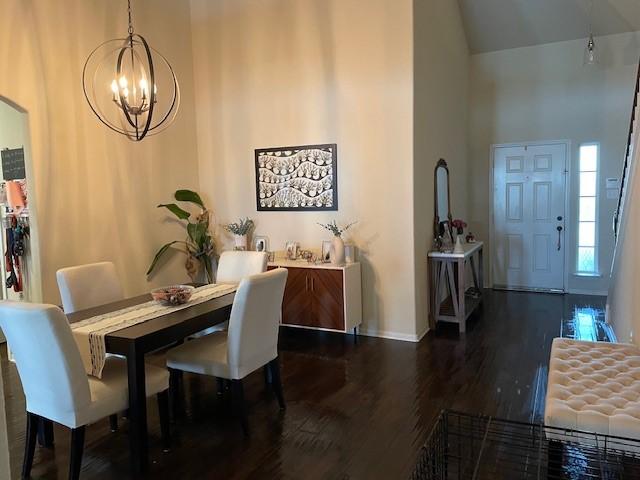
(321, 296)
(451, 300)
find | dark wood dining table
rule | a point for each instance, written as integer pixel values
(136, 341)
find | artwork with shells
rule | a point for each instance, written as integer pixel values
(297, 178)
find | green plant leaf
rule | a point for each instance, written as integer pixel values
(176, 210)
(160, 253)
(189, 196)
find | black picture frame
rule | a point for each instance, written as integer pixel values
(260, 185)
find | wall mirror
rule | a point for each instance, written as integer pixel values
(442, 201)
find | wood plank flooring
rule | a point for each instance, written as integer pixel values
(355, 411)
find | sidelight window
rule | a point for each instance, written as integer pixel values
(587, 251)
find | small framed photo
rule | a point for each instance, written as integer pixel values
(261, 244)
(326, 251)
(292, 250)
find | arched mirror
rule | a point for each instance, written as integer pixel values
(442, 201)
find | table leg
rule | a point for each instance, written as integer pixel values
(462, 314)
(474, 272)
(137, 411)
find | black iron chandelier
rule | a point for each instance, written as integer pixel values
(120, 80)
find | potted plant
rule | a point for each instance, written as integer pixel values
(198, 246)
(337, 246)
(240, 231)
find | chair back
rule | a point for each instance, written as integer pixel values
(87, 286)
(252, 340)
(53, 378)
(233, 266)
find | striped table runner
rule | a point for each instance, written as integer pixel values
(90, 333)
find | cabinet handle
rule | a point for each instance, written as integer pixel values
(313, 286)
(306, 283)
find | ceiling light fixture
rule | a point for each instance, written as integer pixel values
(121, 80)
(590, 51)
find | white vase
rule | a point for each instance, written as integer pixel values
(459, 247)
(240, 241)
(337, 251)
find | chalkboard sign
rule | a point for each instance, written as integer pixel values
(13, 164)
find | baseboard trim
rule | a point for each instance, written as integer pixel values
(403, 337)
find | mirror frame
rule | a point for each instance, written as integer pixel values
(436, 222)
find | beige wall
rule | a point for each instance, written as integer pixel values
(441, 92)
(545, 93)
(292, 72)
(95, 191)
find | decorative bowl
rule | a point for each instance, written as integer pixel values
(173, 294)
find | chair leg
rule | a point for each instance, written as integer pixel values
(30, 443)
(220, 383)
(268, 378)
(45, 433)
(239, 404)
(175, 378)
(274, 368)
(113, 422)
(77, 447)
(163, 409)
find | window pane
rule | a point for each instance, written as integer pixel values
(588, 158)
(587, 184)
(586, 259)
(587, 209)
(587, 234)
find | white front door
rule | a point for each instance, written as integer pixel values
(529, 217)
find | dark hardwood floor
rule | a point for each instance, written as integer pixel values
(355, 411)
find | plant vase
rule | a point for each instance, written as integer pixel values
(240, 242)
(459, 247)
(337, 251)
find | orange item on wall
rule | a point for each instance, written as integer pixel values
(15, 196)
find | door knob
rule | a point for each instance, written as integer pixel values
(559, 228)
(559, 217)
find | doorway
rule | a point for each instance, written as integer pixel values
(20, 278)
(529, 216)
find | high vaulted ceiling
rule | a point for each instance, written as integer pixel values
(501, 24)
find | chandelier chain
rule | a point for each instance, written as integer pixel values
(130, 20)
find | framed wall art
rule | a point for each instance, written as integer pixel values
(302, 178)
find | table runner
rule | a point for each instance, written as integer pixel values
(90, 333)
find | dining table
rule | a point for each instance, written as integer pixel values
(134, 342)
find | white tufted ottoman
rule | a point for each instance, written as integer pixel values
(594, 386)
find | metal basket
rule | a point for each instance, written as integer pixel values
(462, 446)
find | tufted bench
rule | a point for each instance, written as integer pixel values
(594, 386)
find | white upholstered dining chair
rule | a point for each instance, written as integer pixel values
(87, 286)
(233, 266)
(55, 384)
(250, 343)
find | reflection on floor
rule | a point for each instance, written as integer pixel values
(359, 411)
(588, 323)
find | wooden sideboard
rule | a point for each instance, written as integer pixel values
(321, 297)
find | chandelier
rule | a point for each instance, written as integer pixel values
(130, 86)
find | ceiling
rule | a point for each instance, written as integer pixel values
(500, 24)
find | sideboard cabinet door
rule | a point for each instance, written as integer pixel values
(296, 305)
(327, 299)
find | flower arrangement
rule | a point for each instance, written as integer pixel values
(198, 246)
(459, 225)
(335, 229)
(241, 228)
